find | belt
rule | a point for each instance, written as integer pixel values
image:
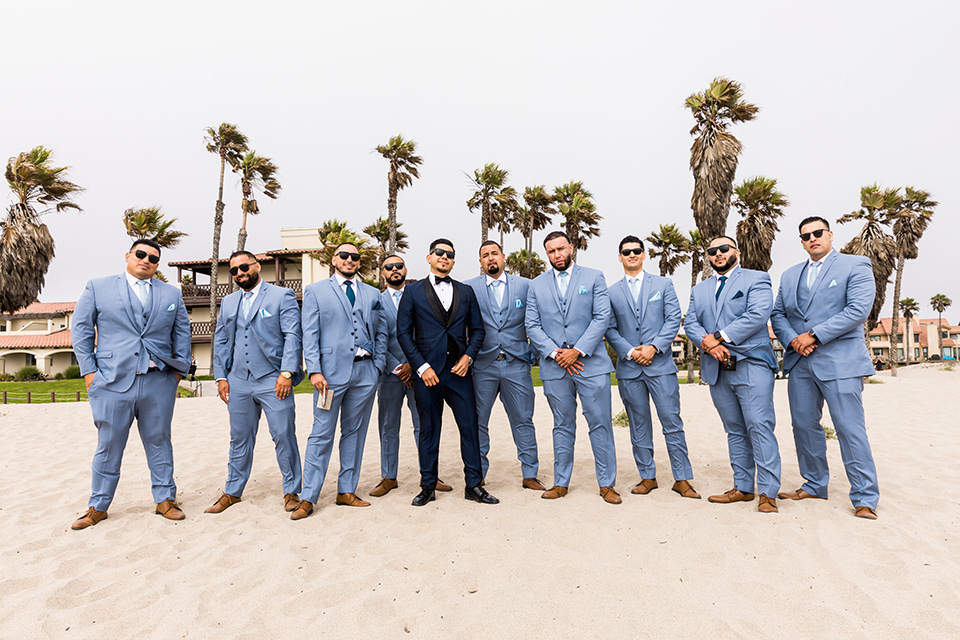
(501, 356)
(150, 370)
(366, 357)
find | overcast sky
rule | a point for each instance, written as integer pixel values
(850, 93)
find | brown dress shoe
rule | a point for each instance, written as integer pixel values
(169, 510)
(644, 487)
(442, 486)
(685, 489)
(386, 486)
(290, 501)
(556, 491)
(799, 494)
(734, 495)
(302, 511)
(533, 483)
(610, 495)
(224, 502)
(767, 505)
(90, 518)
(351, 500)
(861, 512)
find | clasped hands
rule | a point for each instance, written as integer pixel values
(712, 346)
(643, 354)
(570, 360)
(804, 344)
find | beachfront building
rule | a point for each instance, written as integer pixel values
(920, 341)
(37, 335)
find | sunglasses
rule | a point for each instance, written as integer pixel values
(241, 267)
(393, 266)
(626, 252)
(443, 252)
(349, 255)
(712, 251)
(816, 233)
(141, 254)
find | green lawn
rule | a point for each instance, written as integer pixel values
(64, 390)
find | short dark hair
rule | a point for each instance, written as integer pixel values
(243, 252)
(393, 255)
(732, 241)
(553, 235)
(433, 245)
(488, 243)
(807, 221)
(343, 244)
(148, 242)
(630, 240)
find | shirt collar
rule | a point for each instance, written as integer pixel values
(728, 273)
(639, 277)
(133, 280)
(341, 279)
(811, 261)
(569, 271)
(256, 290)
(502, 279)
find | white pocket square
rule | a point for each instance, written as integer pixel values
(264, 313)
(655, 297)
(582, 290)
(171, 307)
(833, 283)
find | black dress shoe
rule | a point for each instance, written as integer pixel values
(426, 495)
(479, 494)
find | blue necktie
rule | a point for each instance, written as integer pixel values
(563, 283)
(723, 281)
(247, 303)
(497, 293)
(351, 296)
(633, 289)
(812, 272)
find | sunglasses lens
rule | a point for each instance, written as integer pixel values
(141, 254)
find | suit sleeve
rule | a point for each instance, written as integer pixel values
(477, 331)
(180, 338)
(405, 337)
(83, 330)
(592, 339)
(538, 337)
(290, 326)
(861, 289)
(692, 326)
(310, 329)
(620, 344)
(759, 306)
(221, 346)
(380, 353)
(781, 325)
(671, 320)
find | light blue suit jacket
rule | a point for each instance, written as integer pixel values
(388, 317)
(579, 321)
(505, 331)
(275, 321)
(839, 305)
(655, 323)
(109, 333)
(329, 336)
(741, 312)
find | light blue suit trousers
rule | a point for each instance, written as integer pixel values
(512, 381)
(390, 395)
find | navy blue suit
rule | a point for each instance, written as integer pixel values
(429, 335)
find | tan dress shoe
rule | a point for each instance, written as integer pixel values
(556, 491)
(644, 487)
(302, 511)
(610, 495)
(685, 489)
(169, 510)
(90, 518)
(290, 501)
(860, 512)
(767, 505)
(442, 486)
(799, 494)
(351, 500)
(533, 483)
(223, 503)
(734, 495)
(386, 486)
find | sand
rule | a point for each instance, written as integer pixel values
(655, 566)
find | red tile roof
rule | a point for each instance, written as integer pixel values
(41, 308)
(180, 263)
(47, 341)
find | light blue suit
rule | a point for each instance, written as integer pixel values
(576, 320)
(652, 320)
(835, 309)
(391, 392)
(509, 376)
(744, 398)
(333, 329)
(115, 338)
(250, 352)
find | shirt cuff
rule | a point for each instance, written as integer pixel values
(629, 355)
(726, 338)
(362, 352)
(396, 369)
(423, 367)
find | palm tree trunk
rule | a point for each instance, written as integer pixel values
(907, 334)
(242, 235)
(215, 258)
(895, 324)
(392, 214)
(529, 246)
(484, 221)
(939, 338)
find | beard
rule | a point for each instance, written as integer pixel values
(494, 270)
(395, 278)
(730, 265)
(250, 282)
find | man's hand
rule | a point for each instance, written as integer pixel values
(223, 390)
(463, 364)
(720, 353)
(179, 376)
(567, 357)
(643, 354)
(89, 379)
(804, 344)
(429, 377)
(404, 372)
(284, 386)
(319, 382)
(709, 342)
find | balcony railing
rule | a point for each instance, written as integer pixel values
(195, 294)
(201, 329)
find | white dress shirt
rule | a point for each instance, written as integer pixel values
(503, 285)
(356, 296)
(444, 291)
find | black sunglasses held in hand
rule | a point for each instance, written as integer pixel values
(816, 234)
(443, 252)
(241, 267)
(712, 251)
(141, 254)
(627, 252)
(393, 266)
(344, 255)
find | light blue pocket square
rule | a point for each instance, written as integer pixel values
(655, 297)
(519, 303)
(171, 307)
(833, 283)
(738, 294)
(265, 314)
(582, 290)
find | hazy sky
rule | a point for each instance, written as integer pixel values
(850, 93)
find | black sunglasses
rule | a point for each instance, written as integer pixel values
(141, 254)
(349, 255)
(393, 266)
(241, 267)
(626, 252)
(816, 233)
(443, 252)
(712, 251)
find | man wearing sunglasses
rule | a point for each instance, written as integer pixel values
(727, 319)
(344, 346)
(818, 317)
(440, 330)
(256, 361)
(645, 319)
(503, 364)
(131, 335)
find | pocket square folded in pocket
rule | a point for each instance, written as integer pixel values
(582, 290)
(833, 283)
(738, 294)
(376, 305)
(519, 303)
(171, 307)
(265, 314)
(655, 297)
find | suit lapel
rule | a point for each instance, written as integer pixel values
(455, 304)
(258, 302)
(824, 271)
(505, 307)
(730, 286)
(123, 290)
(341, 296)
(557, 299)
(154, 304)
(433, 300)
(642, 296)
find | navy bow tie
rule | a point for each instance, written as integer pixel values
(439, 279)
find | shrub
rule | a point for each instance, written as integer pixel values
(6, 377)
(59, 376)
(28, 374)
(72, 372)
(621, 420)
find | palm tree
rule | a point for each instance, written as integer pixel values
(228, 143)
(401, 154)
(760, 203)
(334, 233)
(713, 156)
(670, 246)
(256, 172)
(940, 302)
(502, 210)
(26, 246)
(695, 247)
(150, 222)
(492, 196)
(525, 264)
(533, 217)
(380, 231)
(909, 307)
(581, 220)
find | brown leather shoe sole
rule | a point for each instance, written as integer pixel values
(290, 501)
(610, 495)
(860, 512)
(799, 494)
(90, 518)
(224, 502)
(386, 486)
(302, 511)
(534, 484)
(685, 489)
(554, 492)
(644, 487)
(351, 500)
(734, 495)
(767, 505)
(169, 510)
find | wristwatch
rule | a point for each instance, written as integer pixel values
(812, 334)
(718, 336)
(286, 374)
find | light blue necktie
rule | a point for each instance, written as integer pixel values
(634, 290)
(563, 283)
(497, 292)
(812, 272)
(396, 297)
(247, 303)
(143, 292)
(723, 281)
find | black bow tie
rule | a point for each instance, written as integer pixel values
(439, 279)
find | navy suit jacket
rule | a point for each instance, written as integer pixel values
(656, 323)
(505, 331)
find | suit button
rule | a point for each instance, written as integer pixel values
(564, 326)
(136, 353)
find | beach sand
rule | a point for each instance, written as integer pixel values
(655, 566)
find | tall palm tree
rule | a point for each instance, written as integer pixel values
(256, 172)
(150, 222)
(492, 196)
(581, 220)
(334, 233)
(940, 302)
(760, 203)
(229, 144)
(714, 154)
(403, 159)
(525, 264)
(670, 246)
(502, 211)
(533, 217)
(910, 308)
(380, 231)
(26, 246)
